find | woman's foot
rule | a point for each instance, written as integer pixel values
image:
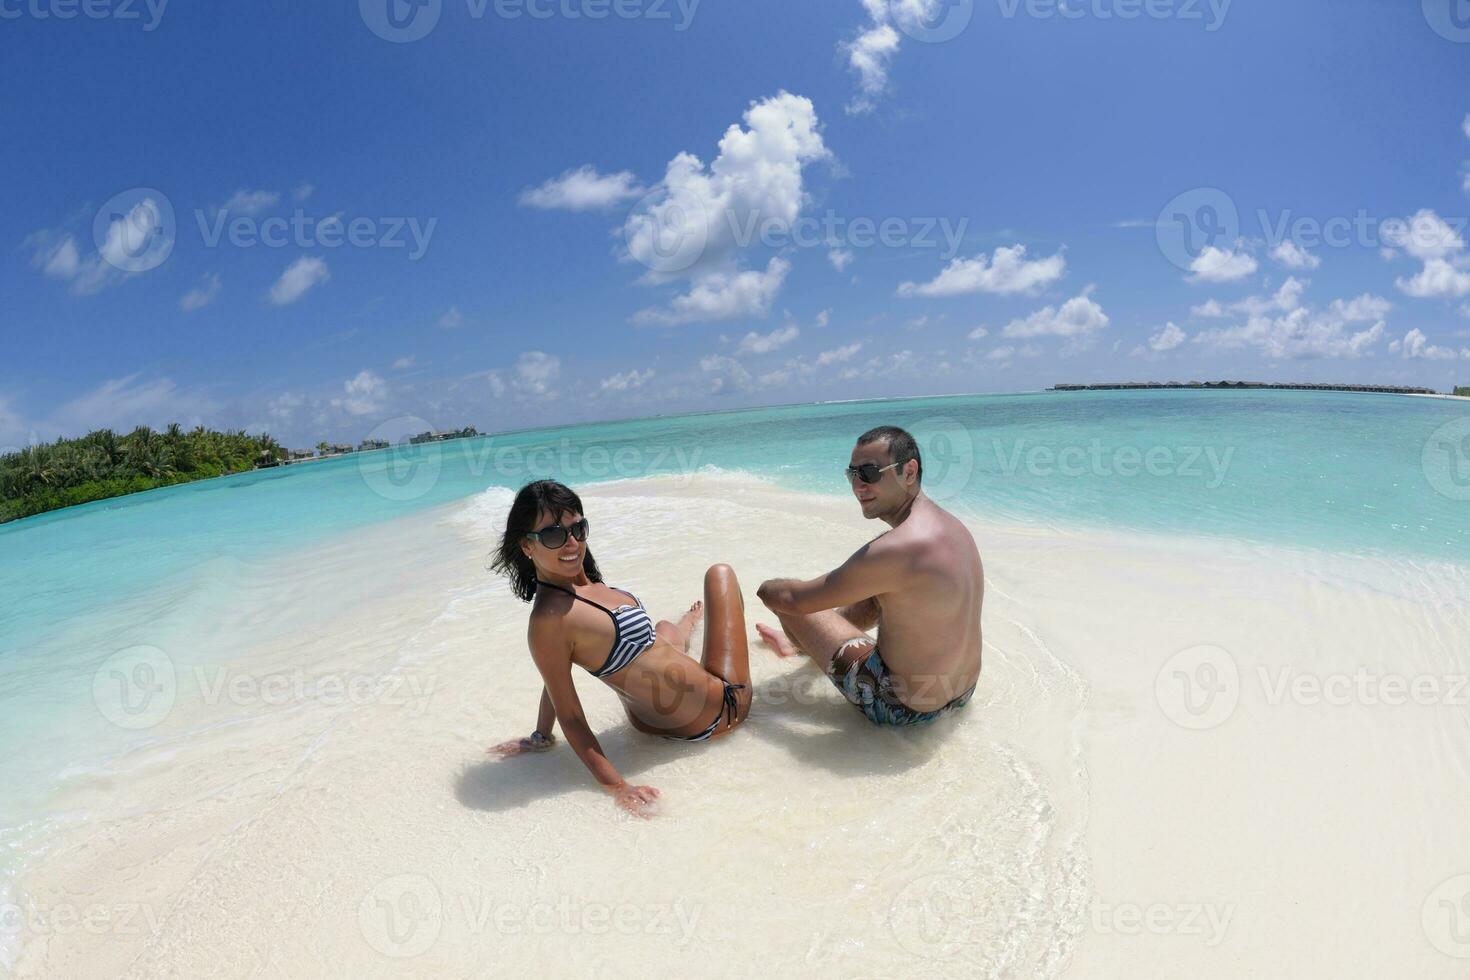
(777, 640)
(679, 633)
(691, 619)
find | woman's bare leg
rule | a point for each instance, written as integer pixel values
(726, 652)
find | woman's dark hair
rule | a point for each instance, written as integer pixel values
(543, 495)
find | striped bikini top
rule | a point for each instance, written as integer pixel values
(632, 630)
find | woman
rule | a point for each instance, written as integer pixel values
(577, 619)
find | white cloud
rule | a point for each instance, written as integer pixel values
(916, 323)
(1301, 331)
(1416, 345)
(756, 343)
(839, 355)
(362, 395)
(405, 362)
(824, 318)
(202, 295)
(535, 372)
(1465, 126)
(131, 240)
(248, 203)
(1166, 339)
(627, 381)
(1289, 254)
(125, 403)
(728, 373)
(1425, 235)
(1286, 299)
(869, 56)
(979, 333)
(756, 178)
(303, 191)
(1004, 273)
(1221, 265)
(124, 236)
(1439, 279)
(1435, 242)
(722, 296)
(452, 318)
(840, 258)
(1361, 309)
(1078, 317)
(298, 279)
(903, 362)
(583, 189)
(61, 262)
(694, 225)
(283, 408)
(772, 378)
(120, 404)
(14, 433)
(871, 53)
(134, 243)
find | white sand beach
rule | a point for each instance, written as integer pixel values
(1145, 784)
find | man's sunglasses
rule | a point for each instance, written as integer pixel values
(869, 472)
(555, 536)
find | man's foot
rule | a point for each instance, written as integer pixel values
(777, 640)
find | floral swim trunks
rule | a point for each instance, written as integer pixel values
(867, 684)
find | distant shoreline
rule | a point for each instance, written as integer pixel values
(1248, 386)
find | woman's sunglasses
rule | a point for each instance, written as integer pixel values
(555, 536)
(869, 472)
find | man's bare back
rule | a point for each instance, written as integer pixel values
(921, 583)
(929, 625)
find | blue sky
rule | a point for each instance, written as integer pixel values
(676, 207)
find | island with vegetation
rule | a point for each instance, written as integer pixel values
(1462, 391)
(103, 464)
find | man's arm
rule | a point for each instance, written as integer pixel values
(874, 569)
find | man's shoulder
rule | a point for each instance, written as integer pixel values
(938, 535)
(911, 540)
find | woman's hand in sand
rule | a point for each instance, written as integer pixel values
(535, 742)
(637, 800)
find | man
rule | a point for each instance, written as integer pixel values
(921, 583)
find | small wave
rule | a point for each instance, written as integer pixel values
(486, 511)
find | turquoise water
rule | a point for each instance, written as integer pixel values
(1337, 471)
(1332, 471)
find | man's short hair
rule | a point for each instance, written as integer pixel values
(901, 445)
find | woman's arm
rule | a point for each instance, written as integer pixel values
(546, 717)
(538, 741)
(552, 653)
